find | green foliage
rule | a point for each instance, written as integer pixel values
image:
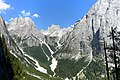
(96, 70)
(13, 62)
(69, 68)
(37, 52)
(18, 70)
(46, 50)
(65, 68)
(114, 52)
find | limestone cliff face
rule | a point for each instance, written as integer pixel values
(79, 43)
(24, 32)
(89, 32)
(54, 34)
(56, 31)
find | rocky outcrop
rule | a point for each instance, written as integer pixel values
(54, 34)
(24, 32)
(56, 31)
(69, 45)
(89, 32)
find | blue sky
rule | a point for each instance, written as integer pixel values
(44, 13)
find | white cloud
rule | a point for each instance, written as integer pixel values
(24, 13)
(72, 25)
(4, 6)
(11, 19)
(35, 15)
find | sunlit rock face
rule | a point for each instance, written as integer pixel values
(69, 51)
(89, 32)
(25, 30)
(56, 31)
(54, 34)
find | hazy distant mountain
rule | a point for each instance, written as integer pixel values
(56, 31)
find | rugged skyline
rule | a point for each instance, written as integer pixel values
(73, 53)
(46, 12)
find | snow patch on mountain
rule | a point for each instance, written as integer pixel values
(39, 68)
(54, 64)
(46, 54)
(13, 54)
(66, 79)
(33, 75)
(54, 61)
(48, 48)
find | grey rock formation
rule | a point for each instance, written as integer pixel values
(79, 43)
(24, 32)
(56, 31)
(89, 32)
(54, 34)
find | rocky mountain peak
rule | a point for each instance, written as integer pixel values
(56, 31)
(75, 46)
(21, 23)
(22, 20)
(54, 27)
(22, 26)
(89, 32)
(25, 29)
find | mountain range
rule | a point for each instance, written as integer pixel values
(73, 53)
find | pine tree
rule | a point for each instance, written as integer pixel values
(13, 70)
(5, 64)
(107, 69)
(114, 50)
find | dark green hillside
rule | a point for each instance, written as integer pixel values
(70, 68)
(10, 66)
(12, 69)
